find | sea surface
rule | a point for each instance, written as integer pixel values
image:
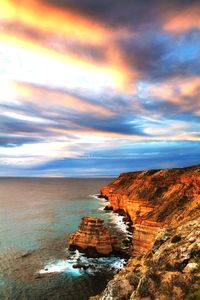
(36, 217)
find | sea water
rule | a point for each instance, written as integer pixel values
(37, 215)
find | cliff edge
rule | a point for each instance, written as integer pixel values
(164, 207)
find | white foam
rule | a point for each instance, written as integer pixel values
(60, 266)
(77, 254)
(119, 222)
(118, 265)
(94, 265)
(116, 218)
(96, 196)
(101, 201)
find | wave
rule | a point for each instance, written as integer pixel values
(96, 196)
(119, 222)
(116, 219)
(102, 201)
(78, 264)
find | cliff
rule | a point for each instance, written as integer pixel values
(155, 200)
(163, 206)
(92, 237)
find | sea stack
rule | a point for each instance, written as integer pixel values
(92, 237)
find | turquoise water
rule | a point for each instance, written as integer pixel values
(36, 218)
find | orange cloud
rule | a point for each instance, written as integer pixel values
(50, 19)
(53, 99)
(129, 75)
(184, 20)
(108, 74)
(53, 22)
(183, 92)
(50, 101)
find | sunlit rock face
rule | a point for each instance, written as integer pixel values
(92, 237)
(169, 271)
(164, 208)
(155, 200)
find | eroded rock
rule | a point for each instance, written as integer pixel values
(92, 237)
(164, 208)
(155, 200)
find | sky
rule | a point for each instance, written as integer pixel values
(98, 87)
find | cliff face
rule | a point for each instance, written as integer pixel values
(92, 237)
(155, 200)
(164, 206)
(170, 271)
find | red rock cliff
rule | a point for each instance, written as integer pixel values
(154, 200)
(92, 237)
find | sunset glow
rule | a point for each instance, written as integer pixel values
(86, 88)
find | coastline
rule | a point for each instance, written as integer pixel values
(119, 220)
(122, 222)
(77, 264)
(166, 242)
(43, 215)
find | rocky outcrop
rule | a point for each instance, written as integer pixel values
(155, 200)
(92, 237)
(169, 271)
(164, 206)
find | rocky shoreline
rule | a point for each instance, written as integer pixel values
(163, 206)
(94, 240)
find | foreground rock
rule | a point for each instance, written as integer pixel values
(169, 271)
(92, 237)
(164, 208)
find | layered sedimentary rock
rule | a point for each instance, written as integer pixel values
(155, 200)
(170, 271)
(92, 237)
(164, 206)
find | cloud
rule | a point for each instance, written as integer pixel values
(185, 19)
(58, 99)
(35, 64)
(140, 156)
(63, 45)
(31, 14)
(15, 141)
(81, 41)
(97, 86)
(182, 92)
(133, 14)
(79, 36)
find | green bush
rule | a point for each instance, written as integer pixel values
(193, 296)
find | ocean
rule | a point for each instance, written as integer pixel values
(37, 216)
